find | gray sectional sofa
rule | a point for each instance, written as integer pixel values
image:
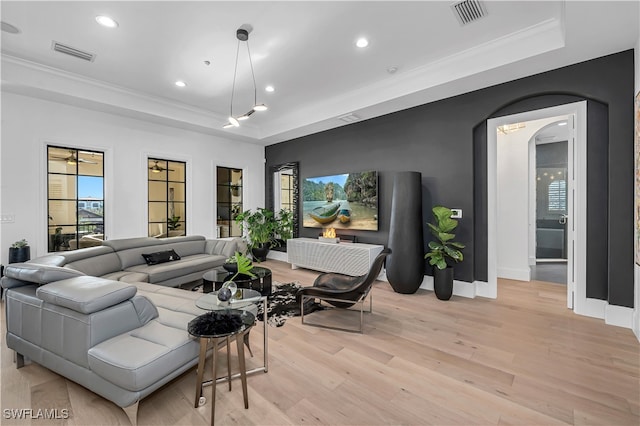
(105, 319)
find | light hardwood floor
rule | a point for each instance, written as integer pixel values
(521, 359)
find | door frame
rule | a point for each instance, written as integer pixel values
(576, 277)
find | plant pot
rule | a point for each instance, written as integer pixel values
(260, 252)
(230, 267)
(443, 282)
(19, 254)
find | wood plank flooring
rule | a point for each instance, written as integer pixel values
(521, 359)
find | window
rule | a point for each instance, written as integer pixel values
(167, 198)
(229, 201)
(557, 196)
(75, 181)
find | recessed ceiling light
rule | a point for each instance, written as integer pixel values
(181, 83)
(106, 21)
(269, 89)
(362, 42)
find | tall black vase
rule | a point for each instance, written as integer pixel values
(405, 264)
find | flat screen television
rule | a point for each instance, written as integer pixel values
(341, 201)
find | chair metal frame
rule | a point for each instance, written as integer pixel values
(362, 311)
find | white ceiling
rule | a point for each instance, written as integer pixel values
(306, 50)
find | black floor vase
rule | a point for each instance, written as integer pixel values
(405, 264)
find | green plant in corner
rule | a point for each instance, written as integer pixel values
(20, 244)
(260, 226)
(443, 247)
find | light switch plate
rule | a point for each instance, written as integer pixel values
(7, 218)
(456, 213)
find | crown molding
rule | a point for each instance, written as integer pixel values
(37, 80)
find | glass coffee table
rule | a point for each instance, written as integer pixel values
(213, 280)
(244, 300)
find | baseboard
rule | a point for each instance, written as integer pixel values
(619, 315)
(594, 308)
(515, 274)
(460, 288)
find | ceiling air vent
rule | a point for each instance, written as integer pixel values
(349, 118)
(468, 11)
(72, 51)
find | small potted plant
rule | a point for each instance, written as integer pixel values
(444, 251)
(19, 252)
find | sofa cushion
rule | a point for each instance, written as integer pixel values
(160, 257)
(86, 294)
(127, 277)
(97, 266)
(185, 266)
(141, 357)
(40, 274)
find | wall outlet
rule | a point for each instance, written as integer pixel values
(456, 213)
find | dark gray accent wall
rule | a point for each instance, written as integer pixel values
(446, 142)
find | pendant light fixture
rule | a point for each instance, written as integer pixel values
(234, 121)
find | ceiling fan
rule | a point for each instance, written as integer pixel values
(158, 169)
(72, 159)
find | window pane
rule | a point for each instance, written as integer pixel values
(61, 160)
(90, 187)
(157, 230)
(157, 191)
(223, 176)
(90, 163)
(157, 170)
(60, 236)
(157, 212)
(62, 187)
(236, 177)
(177, 171)
(176, 192)
(178, 210)
(62, 212)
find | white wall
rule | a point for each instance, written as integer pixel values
(29, 124)
(636, 304)
(513, 201)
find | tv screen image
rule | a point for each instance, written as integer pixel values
(342, 201)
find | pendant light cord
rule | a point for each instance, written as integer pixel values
(253, 76)
(235, 73)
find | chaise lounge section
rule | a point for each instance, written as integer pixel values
(106, 320)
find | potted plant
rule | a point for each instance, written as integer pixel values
(265, 229)
(19, 252)
(238, 264)
(444, 251)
